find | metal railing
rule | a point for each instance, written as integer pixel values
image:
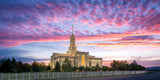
(57, 75)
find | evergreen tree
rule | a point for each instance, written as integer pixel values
(48, 68)
(27, 67)
(42, 66)
(74, 68)
(20, 67)
(105, 68)
(114, 65)
(35, 67)
(57, 66)
(133, 65)
(14, 65)
(5, 65)
(93, 68)
(66, 66)
(97, 67)
(87, 69)
(81, 68)
(123, 65)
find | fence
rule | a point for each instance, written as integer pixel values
(57, 75)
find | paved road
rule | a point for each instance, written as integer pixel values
(153, 76)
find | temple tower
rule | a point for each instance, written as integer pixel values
(72, 48)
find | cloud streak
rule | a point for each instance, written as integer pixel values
(106, 24)
(26, 20)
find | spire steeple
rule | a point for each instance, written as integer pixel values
(72, 29)
(72, 48)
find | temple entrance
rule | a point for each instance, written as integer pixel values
(83, 60)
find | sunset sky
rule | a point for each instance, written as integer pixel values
(112, 29)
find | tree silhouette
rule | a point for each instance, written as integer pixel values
(35, 67)
(20, 67)
(48, 68)
(66, 66)
(57, 66)
(5, 65)
(27, 67)
(97, 66)
(105, 68)
(81, 68)
(74, 68)
(124, 65)
(14, 65)
(11, 65)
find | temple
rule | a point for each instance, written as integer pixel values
(77, 58)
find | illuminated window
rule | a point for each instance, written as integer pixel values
(83, 60)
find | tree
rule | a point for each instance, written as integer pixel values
(87, 69)
(5, 65)
(42, 66)
(11, 65)
(57, 66)
(20, 67)
(35, 67)
(114, 65)
(105, 68)
(74, 68)
(27, 67)
(119, 65)
(93, 68)
(14, 65)
(124, 65)
(48, 68)
(135, 66)
(97, 67)
(66, 66)
(81, 68)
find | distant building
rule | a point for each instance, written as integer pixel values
(77, 58)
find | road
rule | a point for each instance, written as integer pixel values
(152, 76)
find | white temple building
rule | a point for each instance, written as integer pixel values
(77, 58)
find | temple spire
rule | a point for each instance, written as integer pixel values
(72, 48)
(72, 29)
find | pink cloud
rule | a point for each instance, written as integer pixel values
(50, 5)
(39, 20)
(39, 5)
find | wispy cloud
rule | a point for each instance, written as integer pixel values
(107, 24)
(26, 20)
